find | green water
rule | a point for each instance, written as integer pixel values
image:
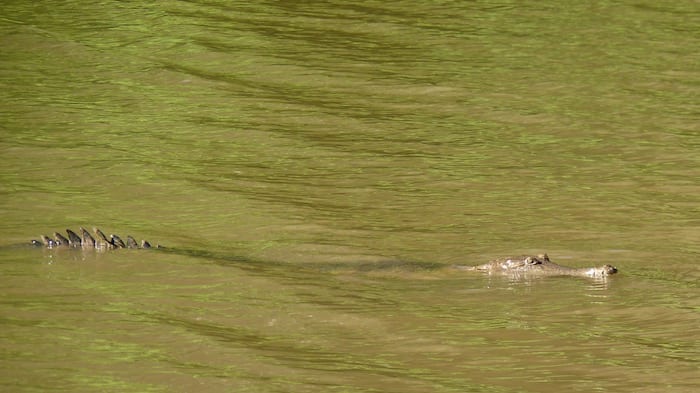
(288, 147)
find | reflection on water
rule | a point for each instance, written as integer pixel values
(294, 157)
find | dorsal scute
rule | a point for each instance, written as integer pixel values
(131, 242)
(73, 239)
(88, 240)
(117, 241)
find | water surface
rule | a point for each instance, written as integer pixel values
(286, 151)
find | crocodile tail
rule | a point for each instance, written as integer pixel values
(87, 241)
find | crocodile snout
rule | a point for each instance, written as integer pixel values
(609, 269)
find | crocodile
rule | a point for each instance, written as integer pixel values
(86, 241)
(539, 265)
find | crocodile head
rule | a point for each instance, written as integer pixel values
(541, 264)
(524, 262)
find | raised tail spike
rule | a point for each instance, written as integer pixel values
(88, 240)
(103, 242)
(48, 242)
(61, 240)
(73, 239)
(131, 242)
(117, 241)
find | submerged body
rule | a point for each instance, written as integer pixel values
(539, 265)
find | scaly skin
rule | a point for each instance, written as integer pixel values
(539, 265)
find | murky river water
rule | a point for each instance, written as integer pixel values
(285, 150)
